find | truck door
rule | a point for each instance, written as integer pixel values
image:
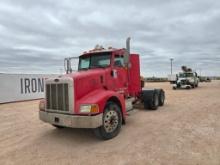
(120, 79)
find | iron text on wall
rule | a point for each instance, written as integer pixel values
(32, 85)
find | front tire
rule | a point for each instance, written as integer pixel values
(112, 121)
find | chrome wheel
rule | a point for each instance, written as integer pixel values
(111, 121)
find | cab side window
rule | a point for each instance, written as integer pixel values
(119, 61)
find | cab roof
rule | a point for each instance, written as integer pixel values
(101, 50)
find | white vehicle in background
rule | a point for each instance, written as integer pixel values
(186, 79)
(172, 78)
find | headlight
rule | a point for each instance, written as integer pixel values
(89, 108)
(42, 105)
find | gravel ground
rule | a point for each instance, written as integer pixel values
(185, 131)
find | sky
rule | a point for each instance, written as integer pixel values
(36, 35)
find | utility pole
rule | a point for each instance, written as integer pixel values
(171, 66)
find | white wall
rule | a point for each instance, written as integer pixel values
(18, 87)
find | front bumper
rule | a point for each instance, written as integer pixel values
(71, 120)
(181, 86)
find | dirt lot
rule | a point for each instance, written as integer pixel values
(185, 131)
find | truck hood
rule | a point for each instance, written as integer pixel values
(88, 81)
(86, 73)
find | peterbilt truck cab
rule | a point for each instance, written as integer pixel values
(100, 94)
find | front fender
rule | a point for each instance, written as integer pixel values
(100, 97)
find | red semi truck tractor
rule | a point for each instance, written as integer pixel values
(100, 94)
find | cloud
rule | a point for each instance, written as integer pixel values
(36, 36)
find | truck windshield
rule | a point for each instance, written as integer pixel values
(183, 75)
(96, 60)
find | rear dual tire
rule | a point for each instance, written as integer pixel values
(158, 99)
(153, 99)
(153, 105)
(161, 97)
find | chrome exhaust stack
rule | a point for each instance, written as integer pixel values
(127, 52)
(128, 44)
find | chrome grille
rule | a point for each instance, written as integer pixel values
(57, 97)
(184, 82)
